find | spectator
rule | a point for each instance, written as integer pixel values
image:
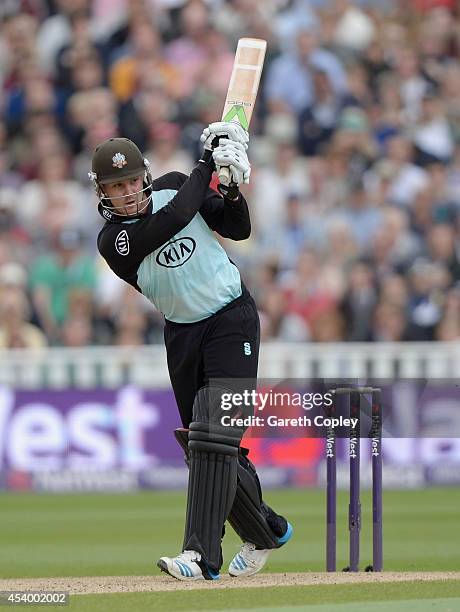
(359, 302)
(53, 200)
(448, 328)
(361, 217)
(389, 323)
(428, 281)
(450, 92)
(354, 141)
(305, 294)
(20, 33)
(328, 326)
(89, 113)
(413, 86)
(54, 275)
(394, 290)
(130, 327)
(355, 185)
(405, 179)
(289, 85)
(165, 154)
(441, 249)
(341, 243)
(355, 30)
(277, 324)
(79, 63)
(56, 31)
(318, 121)
(15, 329)
(254, 19)
(14, 238)
(143, 57)
(388, 114)
(286, 241)
(432, 135)
(188, 53)
(287, 174)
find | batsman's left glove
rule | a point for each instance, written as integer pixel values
(233, 155)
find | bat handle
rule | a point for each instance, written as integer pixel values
(224, 175)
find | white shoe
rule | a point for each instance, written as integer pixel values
(185, 567)
(249, 560)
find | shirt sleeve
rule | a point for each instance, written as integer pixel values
(228, 218)
(125, 245)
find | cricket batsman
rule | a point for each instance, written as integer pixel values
(159, 237)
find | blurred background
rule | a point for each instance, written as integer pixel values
(354, 258)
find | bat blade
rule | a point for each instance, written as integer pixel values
(243, 86)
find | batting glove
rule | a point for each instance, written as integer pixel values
(233, 155)
(224, 129)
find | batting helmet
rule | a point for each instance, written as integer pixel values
(119, 159)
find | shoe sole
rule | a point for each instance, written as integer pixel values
(246, 575)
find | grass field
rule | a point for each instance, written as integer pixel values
(123, 535)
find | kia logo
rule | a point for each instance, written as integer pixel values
(176, 252)
(122, 243)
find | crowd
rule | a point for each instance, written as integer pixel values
(355, 149)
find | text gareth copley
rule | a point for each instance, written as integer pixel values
(261, 399)
(274, 421)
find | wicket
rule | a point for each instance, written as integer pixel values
(354, 513)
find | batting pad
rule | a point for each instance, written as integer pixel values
(213, 465)
(252, 519)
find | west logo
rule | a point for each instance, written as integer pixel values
(122, 243)
(330, 447)
(176, 253)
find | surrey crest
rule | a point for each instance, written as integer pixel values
(119, 160)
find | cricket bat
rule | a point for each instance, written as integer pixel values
(243, 86)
